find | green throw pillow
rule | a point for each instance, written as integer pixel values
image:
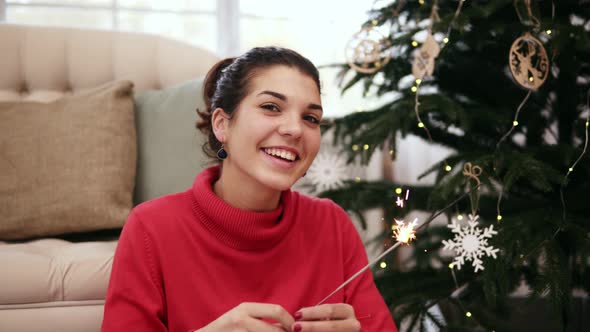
(169, 145)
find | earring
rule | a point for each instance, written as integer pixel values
(221, 153)
(304, 174)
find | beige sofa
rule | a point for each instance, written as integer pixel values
(52, 284)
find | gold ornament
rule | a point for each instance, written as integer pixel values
(367, 51)
(424, 61)
(529, 63)
(472, 171)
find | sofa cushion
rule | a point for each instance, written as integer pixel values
(169, 145)
(45, 272)
(72, 317)
(67, 166)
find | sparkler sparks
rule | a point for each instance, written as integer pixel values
(399, 202)
(405, 233)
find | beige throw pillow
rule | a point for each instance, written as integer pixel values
(67, 166)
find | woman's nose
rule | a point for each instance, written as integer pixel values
(291, 126)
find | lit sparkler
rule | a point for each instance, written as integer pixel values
(403, 234)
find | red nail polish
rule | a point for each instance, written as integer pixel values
(297, 328)
(298, 315)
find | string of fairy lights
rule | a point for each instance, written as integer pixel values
(564, 182)
(527, 73)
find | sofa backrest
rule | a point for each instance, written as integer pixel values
(45, 63)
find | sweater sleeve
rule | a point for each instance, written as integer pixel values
(134, 299)
(369, 306)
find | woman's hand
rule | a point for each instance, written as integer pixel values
(325, 318)
(247, 317)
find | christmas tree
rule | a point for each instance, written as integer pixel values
(505, 85)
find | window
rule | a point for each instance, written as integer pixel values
(317, 29)
(193, 21)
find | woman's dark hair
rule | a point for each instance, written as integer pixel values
(227, 83)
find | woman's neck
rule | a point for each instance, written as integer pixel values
(245, 193)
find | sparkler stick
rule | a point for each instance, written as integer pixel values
(404, 233)
(360, 271)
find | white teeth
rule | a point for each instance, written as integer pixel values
(281, 153)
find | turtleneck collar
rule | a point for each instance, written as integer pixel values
(237, 228)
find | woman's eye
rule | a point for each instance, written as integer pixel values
(271, 107)
(311, 119)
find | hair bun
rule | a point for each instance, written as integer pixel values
(212, 78)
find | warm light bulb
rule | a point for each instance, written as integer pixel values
(414, 89)
(468, 314)
(515, 123)
(421, 2)
(355, 147)
(445, 40)
(357, 179)
(383, 265)
(425, 250)
(448, 168)
(460, 217)
(374, 22)
(451, 266)
(531, 79)
(571, 169)
(391, 152)
(420, 124)
(418, 81)
(549, 31)
(398, 191)
(414, 43)
(499, 217)
(366, 146)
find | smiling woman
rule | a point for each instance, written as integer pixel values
(275, 94)
(284, 122)
(240, 250)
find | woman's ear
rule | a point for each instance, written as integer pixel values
(220, 123)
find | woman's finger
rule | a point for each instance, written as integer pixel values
(341, 325)
(268, 311)
(256, 325)
(326, 312)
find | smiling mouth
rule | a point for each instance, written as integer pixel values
(281, 154)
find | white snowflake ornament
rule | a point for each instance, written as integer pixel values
(327, 172)
(470, 243)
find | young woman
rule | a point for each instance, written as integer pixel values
(240, 251)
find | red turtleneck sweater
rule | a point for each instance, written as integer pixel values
(185, 259)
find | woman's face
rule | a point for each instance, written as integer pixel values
(274, 134)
